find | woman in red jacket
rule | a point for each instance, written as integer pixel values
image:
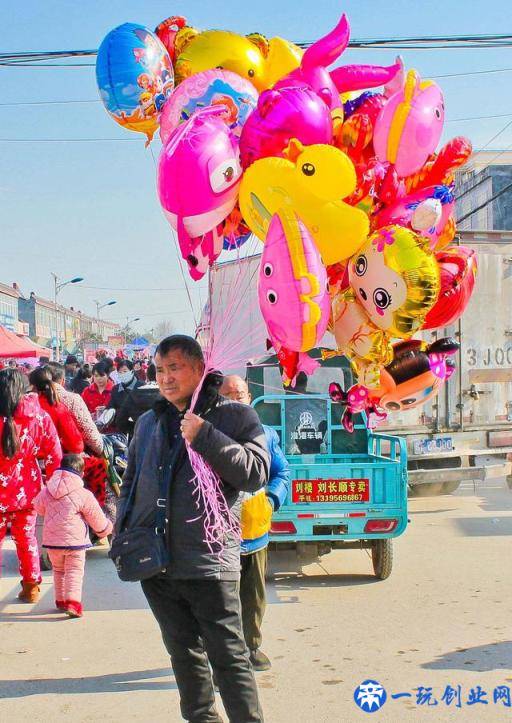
(26, 435)
(67, 429)
(95, 475)
(97, 395)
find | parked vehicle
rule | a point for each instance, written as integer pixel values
(347, 490)
(466, 432)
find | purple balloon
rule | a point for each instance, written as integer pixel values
(293, 112)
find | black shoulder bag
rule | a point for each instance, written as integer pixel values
(142, 552)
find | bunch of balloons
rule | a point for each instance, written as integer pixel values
(343, 184)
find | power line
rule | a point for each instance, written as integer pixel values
(112, 288)
(48, 102)
(474, 72)
(48, 65)
(477, 117)
(486, 203)
(415, 42)
(169, 314)
(67, 140)
(494, 158)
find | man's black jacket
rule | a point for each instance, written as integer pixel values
(232, 441)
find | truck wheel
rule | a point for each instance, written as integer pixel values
(382, 558)
(450, 487)
(44, 561)
(426, 489)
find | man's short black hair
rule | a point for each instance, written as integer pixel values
(56, 370)
(73, 462)
(125, 363)
(186, 344)
(71, 359)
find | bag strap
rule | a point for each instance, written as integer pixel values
(163, 487)
(131, 495)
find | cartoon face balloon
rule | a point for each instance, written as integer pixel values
(198, 177)
(292, 287)
(311, 181)
(416, 374)
(395, 279)
(426, 211)
(409, 126)
(210, 87)
(135, 77)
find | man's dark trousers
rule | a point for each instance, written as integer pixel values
(200, 621)
(253, 595)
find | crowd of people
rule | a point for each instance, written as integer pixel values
(209, 603)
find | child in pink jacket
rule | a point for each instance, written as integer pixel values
(68, 508)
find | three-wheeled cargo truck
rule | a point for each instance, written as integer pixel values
(346, 491)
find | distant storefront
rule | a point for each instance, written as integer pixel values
(9, 308)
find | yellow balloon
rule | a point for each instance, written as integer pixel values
(394, 282)
(223, 49)
(367, 347)
(283, 58)
(312, 180)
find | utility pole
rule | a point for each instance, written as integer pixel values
(56, 289)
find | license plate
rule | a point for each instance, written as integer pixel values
(431, 446)
(331, 490)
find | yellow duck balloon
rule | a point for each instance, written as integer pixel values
(311, 180)
(253, 57)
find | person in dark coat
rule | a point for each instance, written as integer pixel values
(196, 599)
(127, 383)
(137, 401)
(71, 367)
(257, 512)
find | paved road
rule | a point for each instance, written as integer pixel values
(442, 618)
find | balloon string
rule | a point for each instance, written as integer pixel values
(219, 522)
(178, 254)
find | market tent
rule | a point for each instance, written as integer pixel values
(139, 341)
(17, 347)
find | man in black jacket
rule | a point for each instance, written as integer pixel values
(127, 383)
(137, 402)
(196, 600)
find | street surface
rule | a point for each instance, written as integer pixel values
(442, 618)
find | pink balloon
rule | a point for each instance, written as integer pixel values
(296, 112)
(210, 87)
(410, 125)
(198, 177)
(328, 85)
(426, 211)
(290, 300)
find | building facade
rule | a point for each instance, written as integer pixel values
(484, 178)
(57, 326)
(9, 309)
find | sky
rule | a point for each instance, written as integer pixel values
(90, 208)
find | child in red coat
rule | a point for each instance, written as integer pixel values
(26, 435)
(66, 505)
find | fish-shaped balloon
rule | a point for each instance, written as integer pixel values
(292, 288)
(199, 173)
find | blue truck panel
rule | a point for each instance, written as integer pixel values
(335, 496)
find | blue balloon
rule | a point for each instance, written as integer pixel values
(135, 77)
